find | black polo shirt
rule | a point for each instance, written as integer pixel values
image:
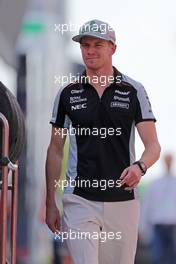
(102, 135)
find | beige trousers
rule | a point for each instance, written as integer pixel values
(100, 232)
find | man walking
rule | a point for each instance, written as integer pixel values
(100, 111)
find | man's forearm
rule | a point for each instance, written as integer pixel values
(53, 170)
(151, 154)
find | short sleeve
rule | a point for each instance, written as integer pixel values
(143, 107)
(59, 117)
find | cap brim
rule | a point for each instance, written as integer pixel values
(78, 38)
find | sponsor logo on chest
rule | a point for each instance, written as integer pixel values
(124, 99)
(77, 99)
(122, 93)
(78, 106)
(120, 105)
(77, 91)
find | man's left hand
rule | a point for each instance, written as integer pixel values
(131, 176)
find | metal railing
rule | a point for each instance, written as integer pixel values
(6, 165)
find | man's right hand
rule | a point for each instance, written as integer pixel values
(53, 218)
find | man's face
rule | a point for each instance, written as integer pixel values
(97, 53)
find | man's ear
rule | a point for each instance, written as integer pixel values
(114, 47)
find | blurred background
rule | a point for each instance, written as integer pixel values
(36, 50)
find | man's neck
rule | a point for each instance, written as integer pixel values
(101, 78)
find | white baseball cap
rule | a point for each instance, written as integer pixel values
(98, 29)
